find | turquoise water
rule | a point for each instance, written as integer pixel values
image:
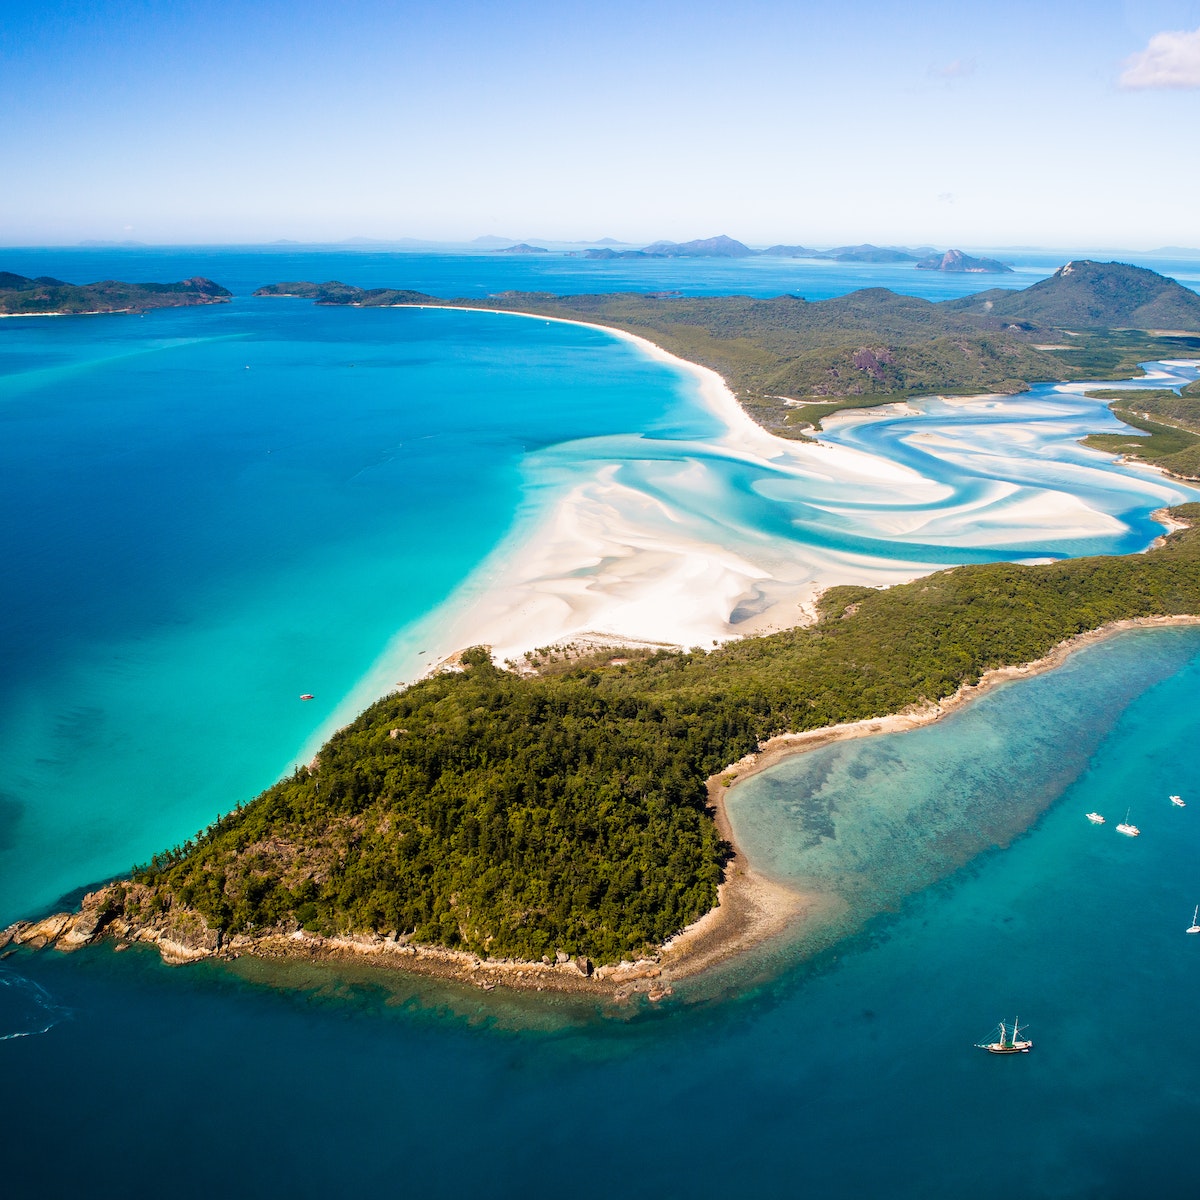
(872, 822)
(211, 512)
(214, 512)
(853, 1075)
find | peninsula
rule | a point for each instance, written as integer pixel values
(1170, 422)
(543, 827)
(46, 296)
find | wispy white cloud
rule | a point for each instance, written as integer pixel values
(960, 68)
(1171, 60)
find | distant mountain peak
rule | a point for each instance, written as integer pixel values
(721, 246)
(1083, 294)
(956, 261)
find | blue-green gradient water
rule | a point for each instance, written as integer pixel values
(850, 1075)
(211, 512)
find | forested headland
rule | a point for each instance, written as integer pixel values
(529, 814)
(1169, 422)
(519, 815)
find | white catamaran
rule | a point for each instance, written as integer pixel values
(1195, 925)
(1008, 1042)
(1127, 829)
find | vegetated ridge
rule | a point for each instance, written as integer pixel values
(48, 296)
(1092, 295)
(791, 362)
(525, 816)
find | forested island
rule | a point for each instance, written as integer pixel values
(46, 296)
(791, 362)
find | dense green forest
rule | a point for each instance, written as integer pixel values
(791, 361)
(20, 294)
(517, 815)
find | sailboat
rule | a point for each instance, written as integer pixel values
(1008, 1042)
(1127, 829)
(1178, 801)
(1195, 925)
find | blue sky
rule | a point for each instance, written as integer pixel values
(980, 124)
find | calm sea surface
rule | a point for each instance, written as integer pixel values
(213, 511)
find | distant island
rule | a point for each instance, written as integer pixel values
(46, 296)
(723, 246)
(727, 247)
(714, 247)
(791, 362)
(956, 261)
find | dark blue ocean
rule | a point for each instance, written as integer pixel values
(213, 511)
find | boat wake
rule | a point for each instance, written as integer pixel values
(26, 1008)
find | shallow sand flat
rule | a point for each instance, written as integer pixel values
(657, 539)
(662, 558)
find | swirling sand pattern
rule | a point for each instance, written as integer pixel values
(685, 542)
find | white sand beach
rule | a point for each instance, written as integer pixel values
(610, 560)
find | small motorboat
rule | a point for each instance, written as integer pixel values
(1178, 802)
(1095, 818)
(307, 696)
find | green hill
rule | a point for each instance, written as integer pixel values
(1092, 295)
